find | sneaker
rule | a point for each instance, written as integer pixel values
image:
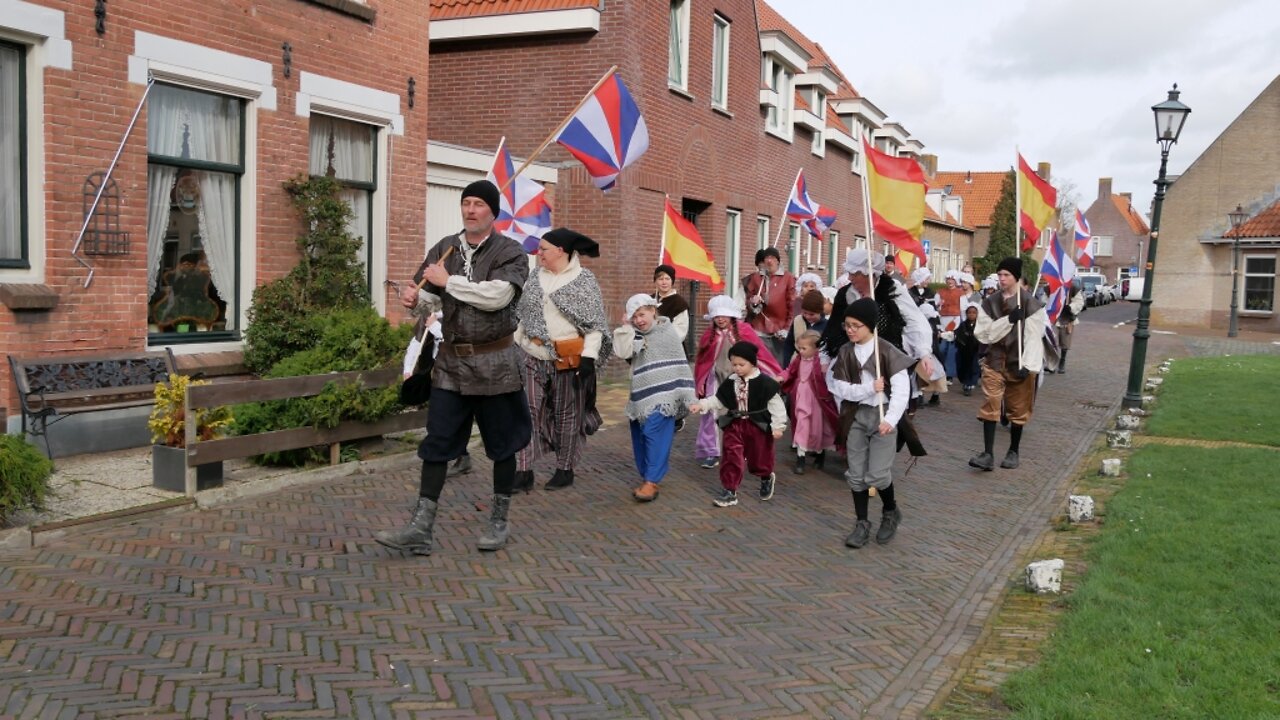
(983, 461)
(710, 463)
(647, 492)
(799, 466)
(934, 400)
(968, 390)
(726, 498)
(860, 535)
(766, 486)
(679, 424)
(888, 526)
(1010, 460)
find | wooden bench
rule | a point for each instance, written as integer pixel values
(54, 387)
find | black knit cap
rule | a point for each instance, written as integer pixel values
(1012, 264)
(863, 310)
(573, 242)
(486, 191)
(763, 253)
(665, 269)
(745, 350)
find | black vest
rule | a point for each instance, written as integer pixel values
(760, 390)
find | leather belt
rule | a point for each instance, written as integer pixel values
(469, 349)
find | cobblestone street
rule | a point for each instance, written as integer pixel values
(283, 606)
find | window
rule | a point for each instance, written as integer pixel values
(762, 232)
(833, 256)
(678, 49)
(808, 251)
(1102, 246)
(793, 248)
(13, 157)
(818, 101)
(195, 162)
(720, 63)
(780, 80)
(1259, 283)
(732, 245)
(346, 151)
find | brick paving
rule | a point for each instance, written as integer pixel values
(282, 606)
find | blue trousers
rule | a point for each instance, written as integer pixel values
(651, 443)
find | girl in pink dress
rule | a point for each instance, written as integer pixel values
(813, 411)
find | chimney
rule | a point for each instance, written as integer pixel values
(1042, 169)
(930, 164)
(968, 177)
(1128, 198)
(1104, 188)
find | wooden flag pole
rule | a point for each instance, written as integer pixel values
(1017, 237)
(871, 278)
(782, 221)
(554, 133)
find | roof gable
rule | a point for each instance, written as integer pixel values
(980, 191)
(450, 9)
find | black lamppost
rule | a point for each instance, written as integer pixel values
(1236, 219)
(1170, 115)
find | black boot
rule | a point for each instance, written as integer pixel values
(524, 482)
(799, 467)
(416, 536)
(495, 537)
(461, 466)
(562, 479)
(888, 525)
(820, 460)
(1062, 363)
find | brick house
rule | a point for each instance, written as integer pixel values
(736, 100)
(1119, 233)
(1194, 262)
(978, 192)
(232, 99)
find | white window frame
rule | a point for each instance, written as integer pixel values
(818, 101)
(732, 245)
(42, 31)
(720, 31)
(781, 80)
(1245, 274)
(833, 256)
(177, 62)
(678, 78)
(762, 232)
(1097, 246)
(793, 248)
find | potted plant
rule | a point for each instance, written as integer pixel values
(168, 425)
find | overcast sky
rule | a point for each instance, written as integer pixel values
(1071, 82)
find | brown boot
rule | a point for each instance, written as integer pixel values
(647, 492)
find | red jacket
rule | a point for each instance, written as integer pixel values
(778, 292)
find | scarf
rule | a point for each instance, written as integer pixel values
(579, 300)
(660, 377)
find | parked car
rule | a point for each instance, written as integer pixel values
(1093, 284)
(1131, 288)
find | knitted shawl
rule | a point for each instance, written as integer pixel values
(660, 377)
(579, 300)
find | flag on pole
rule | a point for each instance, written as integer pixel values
(607, 133)
(896, 187)
(905, 261)
(1057, 270)
(1084, 241)
(524, 213)
(683, 249)
(1037, 203)
(804, 210)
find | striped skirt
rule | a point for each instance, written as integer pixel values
(556, 408)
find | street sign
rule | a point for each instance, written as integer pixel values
(1133, 269)
(925, 243)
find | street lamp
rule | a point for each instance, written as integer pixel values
(1170, 116)
(1236, 219)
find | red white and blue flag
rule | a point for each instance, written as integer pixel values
(804, 210)
(524, 213)
(1084, 240)
(607, 133)
(1057, 270)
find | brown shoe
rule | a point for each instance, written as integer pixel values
(648, 492)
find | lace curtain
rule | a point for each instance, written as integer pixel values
(343, 150)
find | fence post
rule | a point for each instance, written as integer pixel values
(190, 428)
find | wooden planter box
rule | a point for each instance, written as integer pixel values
(169, 470)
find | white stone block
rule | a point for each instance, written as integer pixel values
(1119, 438)
(1138, 412)
(1148, 399)
(1045, 576)
(1111, 467)
(1128, 422)
(1080, 508)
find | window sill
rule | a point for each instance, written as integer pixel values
(722, 110)
(192, 338)
(778, 134)
(28, 296)
(349, 7)
(677, 90)
(1256, 313)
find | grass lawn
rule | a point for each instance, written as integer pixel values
(1179, 614)
(1224, 398)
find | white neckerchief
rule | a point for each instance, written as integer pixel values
(468, 252)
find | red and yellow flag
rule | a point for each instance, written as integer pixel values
(682, 248)
(1037, 203)
(896, 188)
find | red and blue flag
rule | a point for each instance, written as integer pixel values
(1057, 270)
(805, 210)
(1084, 239)
(524, 213)
(607, 133)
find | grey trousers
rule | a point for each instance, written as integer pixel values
(870, 453)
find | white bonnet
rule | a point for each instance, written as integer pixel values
(856, 261)
(639, 300)
(722, 306)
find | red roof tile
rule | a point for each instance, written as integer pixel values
(980, 191)
(1136, 223)
(1266, 224)
(450, 9)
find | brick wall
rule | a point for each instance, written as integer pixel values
(87, 108)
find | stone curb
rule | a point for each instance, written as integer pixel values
(228, 494)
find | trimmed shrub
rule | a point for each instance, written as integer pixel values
(24, 477)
